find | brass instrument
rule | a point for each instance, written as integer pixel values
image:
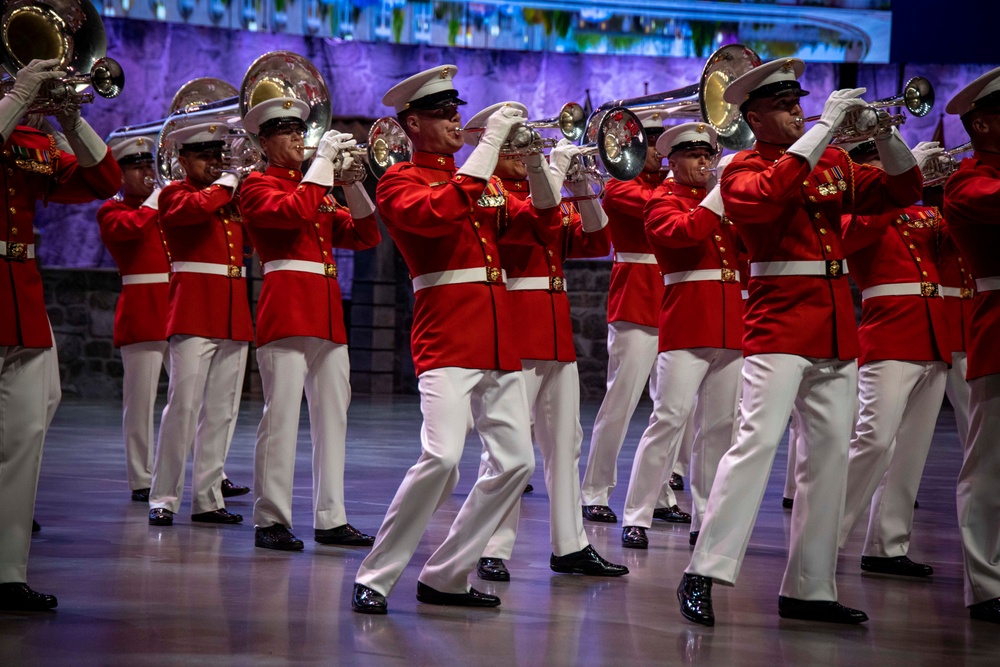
(387, 144)
(201, 91)
(619, 152)
(939, 168)
(524, 138)
(872, 120)
(69, 31)
(702, 101)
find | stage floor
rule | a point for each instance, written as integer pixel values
(192, 594)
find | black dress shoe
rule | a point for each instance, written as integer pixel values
(585, 561)
(528, 488)
(229, 489)
(346, 536)
(676, 482)
(140, 495)
(367, 601)
(35, 526)
(220, 515)
(19, 597)
(900, 565)
(492, 569)
(160, 516)
(819, 610)
(634, 537)
(599, 513)
(672, 514)
(986, 611)
(471, 599)
(787, 503)
(693, 537)
(695, 596)
(276, 536)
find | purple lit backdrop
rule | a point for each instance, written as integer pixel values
(159, 57)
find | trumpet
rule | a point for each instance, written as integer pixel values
(872, 120)
(387, 144)
(524, 139)
(71, 32)
(619, 153)
(939, 168)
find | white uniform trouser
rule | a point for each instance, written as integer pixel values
(204, 375)
(287, 367)
(553, 389)
(978, 496)
(823, 391)
(682, 465)
(29, 393)
(141, 363)
(900, 401)
(713, 376)
(794, 438)
(956, 388)
(632, 353)
(500, 407)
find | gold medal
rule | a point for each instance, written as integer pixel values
(842, 184)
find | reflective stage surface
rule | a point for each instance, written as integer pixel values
(195, 594)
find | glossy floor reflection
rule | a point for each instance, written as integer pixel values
(193, 594)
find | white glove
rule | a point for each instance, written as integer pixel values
(561, 157)
(713, 201)
(483, 161)
(926, 153)
(26, 86)
(87, 146)
(810, 146)
(592, 215)
(153, 200)
(546, 188)
(894, 153)
(333, 143)
(231, 181)
(358, 201)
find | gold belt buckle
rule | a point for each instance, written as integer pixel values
(17, 251)
(330, 270)
(492, 274)
(928, 289)
(234, 271)
(556, 283)
(833, 268)
(966, 293)
(728, 276)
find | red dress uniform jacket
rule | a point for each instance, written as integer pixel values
(201, 225)
(443, 221)
(955, 274)
(32, 169)
(898, 247)
(132, 235)
(784, 211)
(686, 237)
(971, 206)
(636, 289)
(288, 219)
(547, 333)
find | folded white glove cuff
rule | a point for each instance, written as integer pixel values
(230, 181)
(810, 146)
(87, 146)
(544, 192)
(320, 172)
(358, 201)
(713, 201)
(482, 162)
(11, 110)
(153, 200)
(592, 215)
(895, 154)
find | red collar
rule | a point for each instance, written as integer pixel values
(133, 201)
(651, 177)
(284, 172)
(989, 159)
(434, 161)
(692, 191)
(769, 151)
(519, 185)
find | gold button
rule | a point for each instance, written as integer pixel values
(718, 238)
(476, 224)
(232, 258)
(828, 248)
(959, 260)
(962, 270)
(550, 253)
(10, 191)
(472, 210)
(918, 259)
(316, 225)
(906, 233)
(816, 215)
(10, 172)
(164, 243)
(489, 258)
(229, 232)
(482, 240)
(13, 231)
(230, 245)
(321, 239)
(13, 211)
(924, 273)
(721, 249)
(805, 183)
(822, 230)
(553, 267)
(325, 252)
(912, 246)
(291, 173)
(811, 198)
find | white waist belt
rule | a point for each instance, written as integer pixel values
(145, 278)
(479, 274)
(318, 268)
(698, 275)
(635, 257)
(901, 289)
(831, 268)
(990, 284)
(17, 250)
(227, 270)
(545, 283)
(957, 292)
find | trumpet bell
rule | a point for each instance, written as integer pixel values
(572, 121)
(723, 67)
(200, 91)
(918, 96)
(387, 145)
(621, 143)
